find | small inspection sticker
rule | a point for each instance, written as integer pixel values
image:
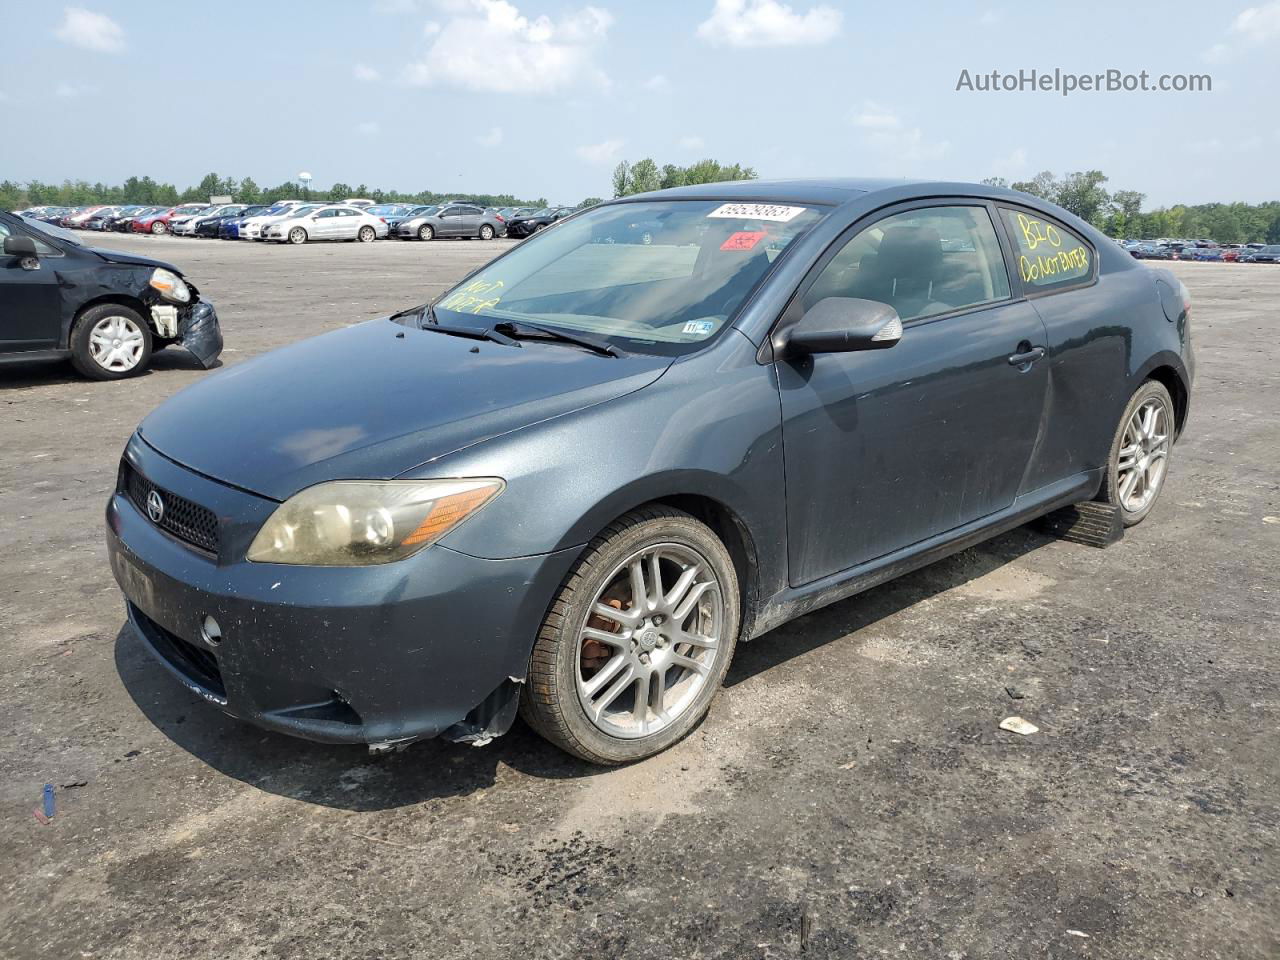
(700, 328)
(756, 211)
(743, 240)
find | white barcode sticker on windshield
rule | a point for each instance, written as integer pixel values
(756, 211)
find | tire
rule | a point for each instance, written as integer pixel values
(159, 228)
(367, 235)
(297, 235)
(101, 333)
(1148, 464)
(639, 644)
(487, 232)
(426, 232)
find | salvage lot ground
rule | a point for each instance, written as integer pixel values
(849, 795)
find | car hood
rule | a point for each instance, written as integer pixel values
(118, 256)
(375, 400)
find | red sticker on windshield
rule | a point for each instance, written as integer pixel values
(743, 240)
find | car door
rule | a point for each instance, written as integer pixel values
(448, 227)
(345, 224)
(469, 222)
(887, 448)
(30, 298)
(1087, 325)
(326, 224)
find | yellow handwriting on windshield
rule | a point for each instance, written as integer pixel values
(475, 296)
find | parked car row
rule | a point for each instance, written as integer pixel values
(299, 221)
(1202, 250)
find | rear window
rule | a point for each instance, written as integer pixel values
(1050, 256)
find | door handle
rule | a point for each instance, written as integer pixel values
(1026, 357)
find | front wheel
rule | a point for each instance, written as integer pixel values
(638, 640)
(486, 232)
(297, 235)
(426, 233)
(110, 342)
(366, 235)
(158, 227)
(1139, 459)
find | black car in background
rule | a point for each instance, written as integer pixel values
(531, 224)
(1268, 254)
(119, 221)
(105, 311)
(212, 226)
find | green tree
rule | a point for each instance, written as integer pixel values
(1083, 194)
(590, 202)
(340, 191)
(248, 191)
(622, 179)
(644, 176)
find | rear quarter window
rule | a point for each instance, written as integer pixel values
(1049, 255)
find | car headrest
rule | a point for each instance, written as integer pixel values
(910, 252)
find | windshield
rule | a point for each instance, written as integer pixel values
(426, 211)
(658, 277)
(43, 229)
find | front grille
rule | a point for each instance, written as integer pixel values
(185, 520)
(195, 663)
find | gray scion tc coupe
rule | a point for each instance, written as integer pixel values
(573, 483)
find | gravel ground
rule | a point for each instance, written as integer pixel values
(849, 795)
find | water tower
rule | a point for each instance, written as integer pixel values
(305, 179)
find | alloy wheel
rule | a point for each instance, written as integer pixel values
(1143, 455)
(650, 640)
(116, 344)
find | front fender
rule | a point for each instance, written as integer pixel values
(710, 427)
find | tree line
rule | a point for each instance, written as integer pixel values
(144, 190)
(645, 175)
(1120, 214)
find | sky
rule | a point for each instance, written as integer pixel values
(541, 98)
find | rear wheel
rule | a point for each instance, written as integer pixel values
(366, 235)
(425, 232)
(110, 342)
(486, 232)
(297, 235)
(1140, 450)
(638, 640)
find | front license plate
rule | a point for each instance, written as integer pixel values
(137, 586)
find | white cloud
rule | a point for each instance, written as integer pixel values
(873, 116)
(768, 23)
(92, 31)
(601, 153)
(538, 55)
(691, 143)
(490, 139)
(365, 73)
(901, 149)
(70, 91)
(657, 82)
(395, 6)
(368, 128)
(1011, 166)
(1252, 27)
(430, 28)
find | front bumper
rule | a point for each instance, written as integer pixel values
(200, 332)
(334, 654)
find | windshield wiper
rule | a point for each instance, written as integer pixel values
(474, 333)
(531, 331)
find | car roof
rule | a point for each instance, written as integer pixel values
(831, 191)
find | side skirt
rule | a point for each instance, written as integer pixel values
(797, 601)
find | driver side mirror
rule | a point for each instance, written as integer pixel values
(841, 325)
(19, 247)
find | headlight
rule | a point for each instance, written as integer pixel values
(170, 285)
(355, 523)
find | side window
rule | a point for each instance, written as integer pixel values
(921, 262)
(42, 249)
(1049, 255)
